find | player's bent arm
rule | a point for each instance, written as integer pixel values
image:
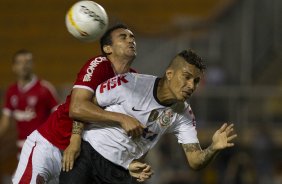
(4, 123)
(197, 157)
(82, 108)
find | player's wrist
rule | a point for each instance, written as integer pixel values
(213, 148)
(77, 128)
(75, 139)
(118, 118)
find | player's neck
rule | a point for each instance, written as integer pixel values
(164, 95)
(22, 81)
(121, 66)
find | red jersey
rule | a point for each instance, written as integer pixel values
(57, 129)
(30, 105)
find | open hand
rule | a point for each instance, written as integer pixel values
(223, 137)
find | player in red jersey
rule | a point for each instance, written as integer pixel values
(29, 101)
(42, 158)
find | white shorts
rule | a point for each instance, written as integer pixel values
(40, 161)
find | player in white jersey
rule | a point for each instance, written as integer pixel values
(160, 104)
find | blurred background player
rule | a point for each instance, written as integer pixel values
(29, 101)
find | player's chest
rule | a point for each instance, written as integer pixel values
(157, 119)
(158, 122)
(21, 100)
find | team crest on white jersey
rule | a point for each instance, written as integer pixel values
(166, 116)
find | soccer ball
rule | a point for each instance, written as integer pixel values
(87, 21)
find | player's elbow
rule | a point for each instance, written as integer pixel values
(195, 166)
(74, 112)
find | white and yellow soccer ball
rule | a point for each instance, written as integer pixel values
(87, 21)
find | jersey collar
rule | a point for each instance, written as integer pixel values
(29, 85)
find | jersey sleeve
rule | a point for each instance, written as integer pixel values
(114, 90)
(93, 73)
(51, 94)
(8, 108)
(185, 128)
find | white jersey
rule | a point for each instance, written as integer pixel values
(135, 95)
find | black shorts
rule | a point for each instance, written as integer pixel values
(91, 167)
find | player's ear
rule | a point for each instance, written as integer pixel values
(107, 49)
(169, 74)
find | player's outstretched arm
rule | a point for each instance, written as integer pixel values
(221, 139)
(73, 150)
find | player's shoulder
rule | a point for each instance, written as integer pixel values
(144, 77)
(141, 82)
(12, 88)
(47, 85)
(187, 111)
(97, 61)
(137, 79)
(98, 65)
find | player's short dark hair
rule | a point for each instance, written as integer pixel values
(20, 52)
(192, 58)
(106, 39)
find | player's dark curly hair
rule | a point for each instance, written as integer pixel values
(191, 57)
(106, 39)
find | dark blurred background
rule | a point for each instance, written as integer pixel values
(240, 40)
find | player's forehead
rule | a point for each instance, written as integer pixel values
(23, 57)
(184, 67)
(190, 69)
(121, 31)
